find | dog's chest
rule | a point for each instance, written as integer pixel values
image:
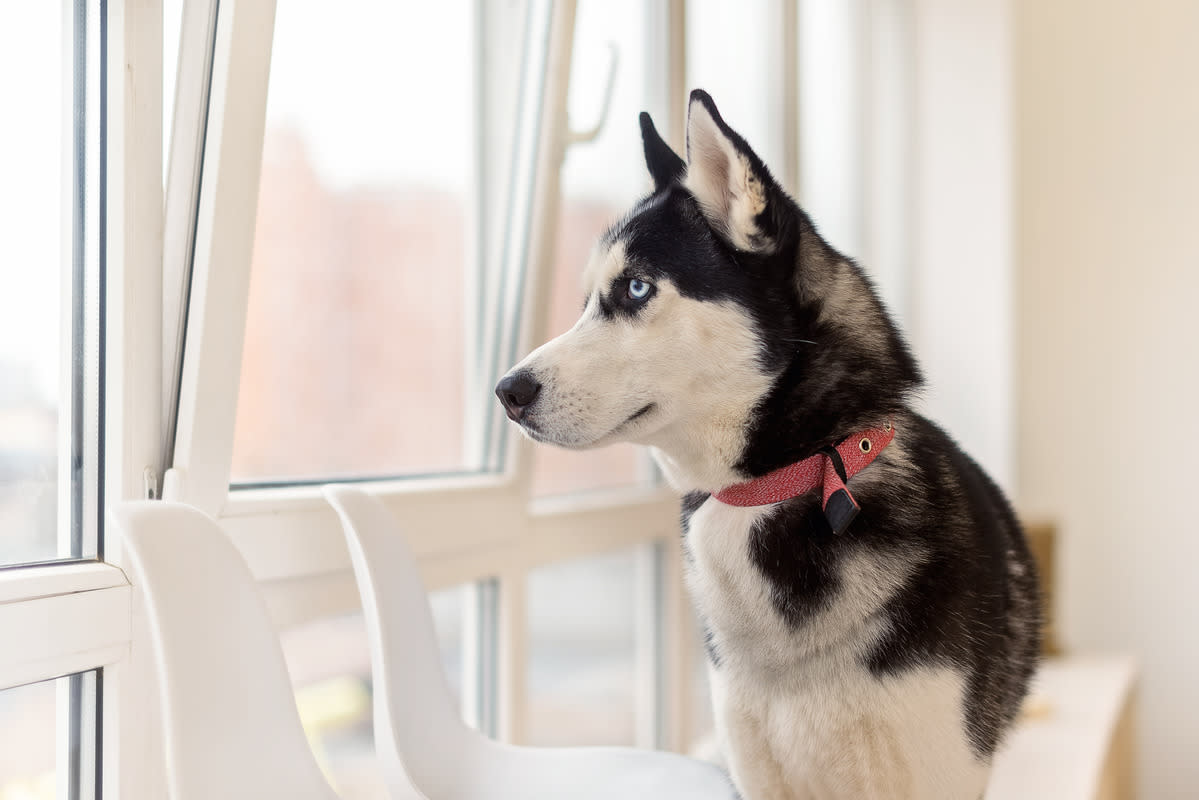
(729, 592)
(770, 597)
(836, 732)
(792, 693)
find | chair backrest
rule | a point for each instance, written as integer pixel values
(418, 730)
(232, 728)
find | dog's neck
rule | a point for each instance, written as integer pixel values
(692, 466)
(716, 458)
(835, 364)
(853, 372)
(841, 368)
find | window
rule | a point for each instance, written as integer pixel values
(600, 180)
(354, 354)
(414, 349)
(36, 755)
(583, 651)
(62, 611)
(371, 261)
(329, 662)
(50, 309)
(360, 249)
(27, 760)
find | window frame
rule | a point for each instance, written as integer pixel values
(81, 307)
(69, 618)
(465, 527)
(75, 616)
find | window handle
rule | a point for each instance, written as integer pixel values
(589, 134)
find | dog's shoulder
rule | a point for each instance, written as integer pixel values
(933, 571)
(973, 599)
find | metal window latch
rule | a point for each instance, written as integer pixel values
(590, 134)
(150, 482)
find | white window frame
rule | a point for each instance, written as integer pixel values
(463, 528)
(72, 617)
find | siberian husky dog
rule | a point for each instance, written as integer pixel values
(876, 655)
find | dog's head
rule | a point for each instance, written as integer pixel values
(718, 327)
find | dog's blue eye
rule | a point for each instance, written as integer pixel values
(639, 290)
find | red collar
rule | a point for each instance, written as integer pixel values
(828, 470)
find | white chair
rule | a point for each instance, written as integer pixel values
(419, 736)
(232, 729)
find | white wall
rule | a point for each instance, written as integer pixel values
(1107, 173)
(960, 291)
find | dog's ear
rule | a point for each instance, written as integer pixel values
(732, 185)
(665, 166)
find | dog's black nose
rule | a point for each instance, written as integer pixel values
(517, 392)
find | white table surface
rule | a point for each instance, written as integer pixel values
(1057, 751)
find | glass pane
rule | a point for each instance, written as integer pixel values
(600, 182)
(329, 662)
(28, 752)
(582, 652)
(35, 756)
(49, 311)
(354, 357)
(172, 27)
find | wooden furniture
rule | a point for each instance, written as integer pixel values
(1075, 741)
(1042, 540)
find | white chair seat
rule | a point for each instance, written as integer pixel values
(589, 773)
(420, 739)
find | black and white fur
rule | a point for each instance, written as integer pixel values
(723, 332)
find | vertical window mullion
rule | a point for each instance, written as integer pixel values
(651, 643)
(662, 660)
(116, 706)
(91, 496)
(788, 89)
(511, 659)
(478, 276)
(78, 515)
(185, 164)
(80, 762)
(519, 253)
(221, 253)
(79, 720)
(70, 488)
(480, 655)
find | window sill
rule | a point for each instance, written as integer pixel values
(20, 583)
(67, 618)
